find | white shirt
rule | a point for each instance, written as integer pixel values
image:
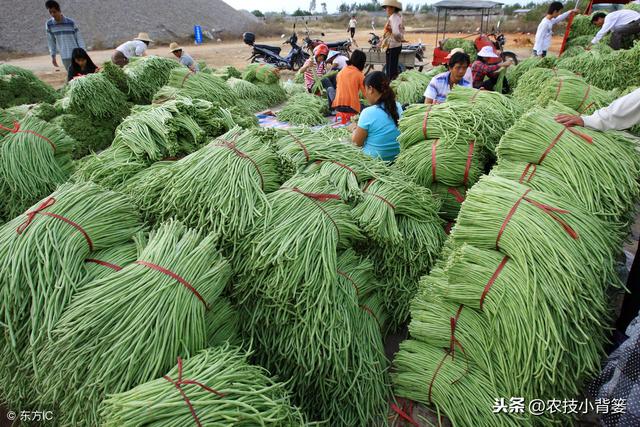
(439, 88)
(616, 20)
(623, 113)
(340, 61)
(352, 23)
(132, 48)
(545, 32)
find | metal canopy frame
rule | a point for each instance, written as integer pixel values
(486, 9)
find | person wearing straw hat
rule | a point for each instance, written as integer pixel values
(481, 69)
(393, 36)
(133, 48)
(183, 57)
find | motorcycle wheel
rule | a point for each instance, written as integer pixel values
(510, 55)
(297, 63)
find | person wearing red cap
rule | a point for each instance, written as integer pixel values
(315, 67)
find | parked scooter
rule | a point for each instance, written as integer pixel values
(375, 43)
(271, 54)
(343, 46)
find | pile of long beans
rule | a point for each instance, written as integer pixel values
(114, 337)
(95, 95)
(221, 187)
(116, 76)
(598, 169)
(465, 44)
(110, 169)
(249, 94)
(273, 94)
(529, 84)
(263, 73)
(203, 86)
(582, 27)
(147, 75)
(304, 109)
(574, 92)
(229, 391)
(19, 86)
(410, 85)
(514, 72)
(34, 158)
(450, 163)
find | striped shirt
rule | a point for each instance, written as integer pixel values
(63, 37)
(308, 74)
(439, 87)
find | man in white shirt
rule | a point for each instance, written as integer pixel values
(130, 49)
(352, 26)
(620, 23)
(545, 28)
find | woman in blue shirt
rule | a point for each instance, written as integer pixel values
(377, 131)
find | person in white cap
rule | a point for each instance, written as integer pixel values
(545, 28)
(336, 60)
(127, 50)
(467, 76)
(481, 69)
(393, 36)
(183, 57)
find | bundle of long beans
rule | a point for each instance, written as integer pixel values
(420, 122)
(90, 135)
(96, 96)
(574, 92)
(514, 72)
(226, 390)
(100, 264)
(263, 73)
(223, 325)
(109, 169)
(221, 188)
(607, 161)
(19, 86)
(147, 75)
(273, 93)
(114, 337)
(35, 157)
(529, 84)
(581, 27)
(249, 94)
(304, 109)
(454, 164)
(156, 132)
(606, 69)
(633, 6)
(410, 85)
(203, 86)
(117, 76)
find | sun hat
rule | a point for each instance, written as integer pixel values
(174, 46)
(143, 37)
(392, 3)
(454, 51)
(487, 52)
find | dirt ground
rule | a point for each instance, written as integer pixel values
(236, 53)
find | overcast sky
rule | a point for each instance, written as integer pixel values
(332, 5)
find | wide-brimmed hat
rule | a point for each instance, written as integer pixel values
(487, 52)
(174, 46)
(144, 37)
(392, 3)
(454, 51)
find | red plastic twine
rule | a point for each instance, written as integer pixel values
(319, 198)
(586, 94)
(403, 414)
(104, 264)
(180, 382)
(16, 129)
(368, 310)
(435, 373)
(559, 88)
(585, 137)
(40, 210)
(467, 167)
(232, 146)
(346, 276)
(297, 141)
(453, 341)
(342, 165)
(176, 277)
(388, 203)
(455, 193)
(473, 98)
(434, 147)
(526, 172)
(549, 210)
(492, 280)
(424, 123)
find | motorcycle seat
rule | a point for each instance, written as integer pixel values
(337, 44)
(274, 49)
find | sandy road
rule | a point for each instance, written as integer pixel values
(236, 53)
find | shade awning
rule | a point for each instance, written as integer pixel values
(468, 5)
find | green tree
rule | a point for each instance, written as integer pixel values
(257, 13)
(300, 12)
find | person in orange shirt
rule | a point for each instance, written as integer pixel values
(350, 84)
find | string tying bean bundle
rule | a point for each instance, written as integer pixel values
(601, 169)
(449, 163)
(114, 337)
(95, 95)
(237, 393)
(451, 198)
(34, 159)
(102, 263)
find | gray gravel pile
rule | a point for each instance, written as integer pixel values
(105, 24)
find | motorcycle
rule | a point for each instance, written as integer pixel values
(375, 43)
(343, 46)
(271, 54)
